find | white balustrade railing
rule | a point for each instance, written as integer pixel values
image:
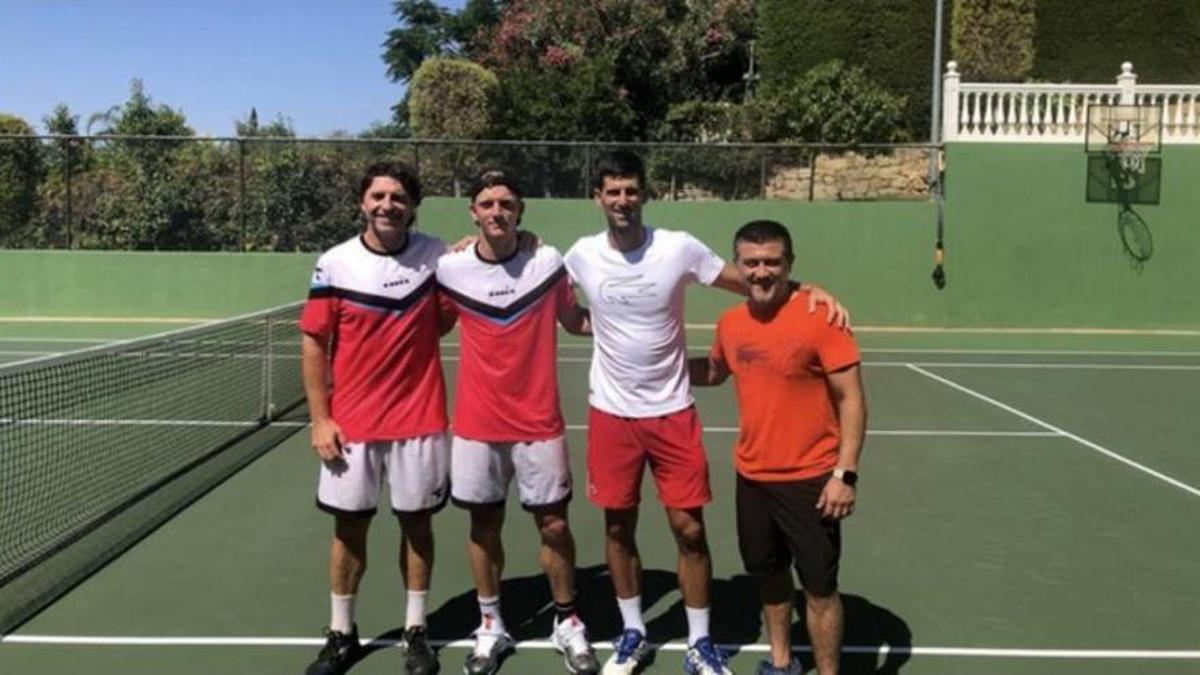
(1057, 113)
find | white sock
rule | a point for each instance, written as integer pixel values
(631, 613)
(697, 624)
(490, 620)
(414, 609)
(341, 612)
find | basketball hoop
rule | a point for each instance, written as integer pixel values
(1131, 155)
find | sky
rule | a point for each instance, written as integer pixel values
(315, 62)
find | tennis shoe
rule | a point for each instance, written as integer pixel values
(768, 668)
(340, 652)
(703, 658)
(570, 639)
(419, 658)
(489, 649)
(628, 652)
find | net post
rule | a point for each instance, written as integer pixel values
(268, 403)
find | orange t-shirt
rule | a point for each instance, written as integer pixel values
(788, 427)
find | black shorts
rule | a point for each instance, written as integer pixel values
(778, 524)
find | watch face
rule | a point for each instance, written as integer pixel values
(848, 477)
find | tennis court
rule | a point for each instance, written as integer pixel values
(1028, 504)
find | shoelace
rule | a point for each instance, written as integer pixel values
(709, 653)
(629, 642)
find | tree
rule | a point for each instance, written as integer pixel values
(834, 103)
(891, 40)
(20, 172)
(992, 40)
(1086, 41)
(138, 116)
(280, 127)
(452, 98)
(426, 31)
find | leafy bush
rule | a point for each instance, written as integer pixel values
(834, 103)
(992, 40)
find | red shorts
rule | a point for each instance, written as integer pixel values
(619, 448)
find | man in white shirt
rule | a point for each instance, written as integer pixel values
(641, 407)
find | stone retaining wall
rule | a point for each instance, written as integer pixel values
(850, 176)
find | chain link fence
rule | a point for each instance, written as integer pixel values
(291, 194)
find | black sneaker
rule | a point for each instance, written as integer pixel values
(340, 652)
(419, 658)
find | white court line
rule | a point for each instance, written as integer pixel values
(65, 340)
(1038, 352)
(1179, 332)
(142, 423)
(906, 364)
(914, 350)
(104, 319)
(1046, 425)
(1043, 366)
(147, 641)
(887, 432)
(22, 352)
(570, 427)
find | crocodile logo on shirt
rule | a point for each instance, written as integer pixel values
(627, 290)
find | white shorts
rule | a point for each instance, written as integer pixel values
(480, 472)
(417, 471)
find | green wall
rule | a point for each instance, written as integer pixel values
(1024, 250)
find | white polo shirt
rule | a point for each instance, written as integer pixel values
(639, 364)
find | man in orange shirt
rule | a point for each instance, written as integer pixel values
(803, 419)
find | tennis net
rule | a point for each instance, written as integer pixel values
(98, 447)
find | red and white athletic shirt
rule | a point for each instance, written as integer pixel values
(639, 365)
(379, 312)
(507, 386)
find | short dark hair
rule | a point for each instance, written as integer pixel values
(763, 231)
(405, 174)
(620, 164)
(490, 178)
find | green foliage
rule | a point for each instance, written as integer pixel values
(138, 116)
(1086, 41)
(581, 102)
(834, 103)
(280, 127)
(426, 31)
(452, 98)
(992, 40)
(20, 171)
(892, 40)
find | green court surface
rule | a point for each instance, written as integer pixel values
(1029, 503)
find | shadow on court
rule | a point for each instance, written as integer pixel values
(867, 625)
(529, 615)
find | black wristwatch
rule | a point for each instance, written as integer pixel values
(846, 476)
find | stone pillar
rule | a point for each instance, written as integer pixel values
(950, 88)
(1127, 81)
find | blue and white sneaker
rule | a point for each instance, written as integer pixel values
(628, 652)
(703, 658)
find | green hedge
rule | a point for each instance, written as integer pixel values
(891, 39)
(1086, 41)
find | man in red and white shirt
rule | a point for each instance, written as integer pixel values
(507, 419)
(641, 407)
(373, 378)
